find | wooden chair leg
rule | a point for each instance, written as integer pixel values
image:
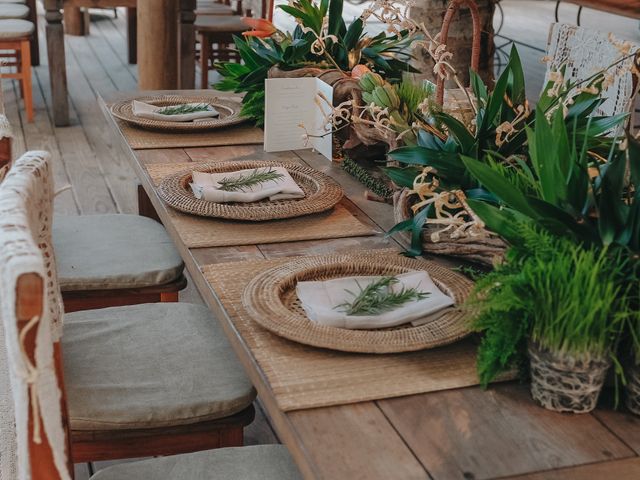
(25, 70)
(132, 35)
(205, 53)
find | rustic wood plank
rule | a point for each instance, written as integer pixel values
(175, 155)
(81, 164)
(627, 469)
(479, 435)
(238, 153)
(624, 424)
(355, 442)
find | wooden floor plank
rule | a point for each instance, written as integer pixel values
(628, 469)
(375, 449)
(625, 425)
(460, 434)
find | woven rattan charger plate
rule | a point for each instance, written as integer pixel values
(229, 113)
(321, 193)
(271, 300)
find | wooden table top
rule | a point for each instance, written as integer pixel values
(456, 434)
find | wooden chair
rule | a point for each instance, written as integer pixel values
(15, 38)
(100, 263)
(44, 366)
(582, 52)
(5, 144)
(218, 31)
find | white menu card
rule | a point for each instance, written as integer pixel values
(290, 104)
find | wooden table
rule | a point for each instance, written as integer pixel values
(457, 434)
(166, 50)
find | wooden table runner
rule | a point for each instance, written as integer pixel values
(199, 232)
(141, 139)
(303, 377)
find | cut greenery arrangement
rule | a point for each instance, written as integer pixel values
(321, 42)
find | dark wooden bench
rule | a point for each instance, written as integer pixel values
(625, 8)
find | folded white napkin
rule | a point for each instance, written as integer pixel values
(144, 110)
(319, 300)
(206, 186)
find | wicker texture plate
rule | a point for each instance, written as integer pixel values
(321, 193)
(271, 300)
(229, 113)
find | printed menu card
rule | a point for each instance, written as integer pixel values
(297, 114)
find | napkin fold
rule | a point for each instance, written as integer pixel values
(319, 299)
(145, 110)
(206, 186)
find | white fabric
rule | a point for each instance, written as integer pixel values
(25, 247)
(320, 299)
(206, 186)
(144, 110)
(5, 127)
(584, 52)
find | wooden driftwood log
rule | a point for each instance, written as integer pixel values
(485, 250)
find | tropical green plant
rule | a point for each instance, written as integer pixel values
(550, 290)
(499, 139)
(591, 204)
(322, 40)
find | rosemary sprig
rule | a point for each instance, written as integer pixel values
(377, 297)
(185, 108)
(244, 182)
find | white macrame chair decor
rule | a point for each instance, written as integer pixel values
(31, 416)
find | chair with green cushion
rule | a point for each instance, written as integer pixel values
(144, 380)
(113, 260)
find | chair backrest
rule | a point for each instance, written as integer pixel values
(33, 418)
(585, 52)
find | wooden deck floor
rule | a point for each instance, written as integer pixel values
(86, 158)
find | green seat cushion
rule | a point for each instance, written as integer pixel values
(96, 252)
(13, 10)
(150, 365)
(261, 462)
(15, 28)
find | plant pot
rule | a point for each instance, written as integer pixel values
(566, 384)
(632, 389)
(486, 250)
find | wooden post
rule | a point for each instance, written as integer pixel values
(57, 69)
(157, 44)
(431, 12)
(5, 151)
(187, 61)
(132, 35)
(74, 21)
(35, 44)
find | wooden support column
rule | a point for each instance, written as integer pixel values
(132, 35)
(35, 44)
(187, 40)
(157, 44)
(57, 69)
(74, 21)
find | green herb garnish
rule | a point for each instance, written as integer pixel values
(185, 108)
(249, 180)
(377, 297)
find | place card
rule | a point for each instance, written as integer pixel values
(296, 115)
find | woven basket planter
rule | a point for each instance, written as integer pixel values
(565, 384)
(485, 250)
(632, 389)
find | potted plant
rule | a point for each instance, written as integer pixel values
(321, 45)
(567, 292)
